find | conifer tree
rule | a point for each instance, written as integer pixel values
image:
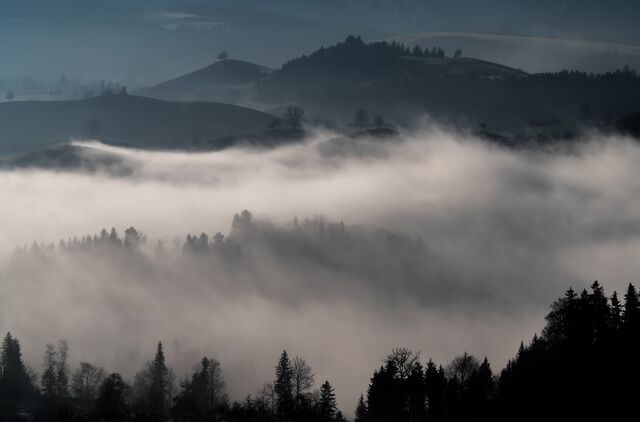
(15, 383)
(361, 410)
(328, 407)
(159, 386)
(283, 387)
(631, 308)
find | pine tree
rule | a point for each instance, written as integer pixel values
(159, 386)
(435, 383)
(283, 387)
(631, 314)
(328, 405)
(361, 410)
(15, 384)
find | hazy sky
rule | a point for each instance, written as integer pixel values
(507, 231)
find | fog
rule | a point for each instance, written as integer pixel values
(452, 244)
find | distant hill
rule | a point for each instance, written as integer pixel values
(228, 81)
(123, 119)
(466, 66)
(402, 84)
(532, 53)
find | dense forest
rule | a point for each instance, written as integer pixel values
(586, 351)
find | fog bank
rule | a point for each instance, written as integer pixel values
(488, 237)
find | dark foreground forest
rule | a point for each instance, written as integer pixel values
(582, 365)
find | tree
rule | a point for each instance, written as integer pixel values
(616, 312)
(481, 391)
(16, 385)
(461, 368)
(328, 405)
(403, 361)
(361, 410)
(303, 379)
(294, 116)
(159, 387)
(435, 383)
(152, 387)
(48, 381)
(132, 238)
(379, 122)
(10, 95)
(361, 118)
(631, 313)
(86, 381)
(112, 404)
(283, 386)
(62, 370)
(202, 395)
(458, 53)
(223, 55)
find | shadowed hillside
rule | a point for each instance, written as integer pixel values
(229, 81)
(124, 119)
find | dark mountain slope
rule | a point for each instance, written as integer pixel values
(124, 119)
(229, 81)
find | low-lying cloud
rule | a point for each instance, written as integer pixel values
(453, 244)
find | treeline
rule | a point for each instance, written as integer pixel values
(583, 366)
(89, 393)
(355, 50)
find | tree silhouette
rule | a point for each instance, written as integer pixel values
(152, 387)
(283, 387)
(86, 381)
(16, 387)
(294, 116)
(303, 379)
(361, 410)
(328, 407)
(203, 396)
(112, 404)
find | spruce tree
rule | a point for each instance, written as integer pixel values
(631, 308)
(283, 387)
(159, 386)
(15, 384)
(361, 410)
(328, 405)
